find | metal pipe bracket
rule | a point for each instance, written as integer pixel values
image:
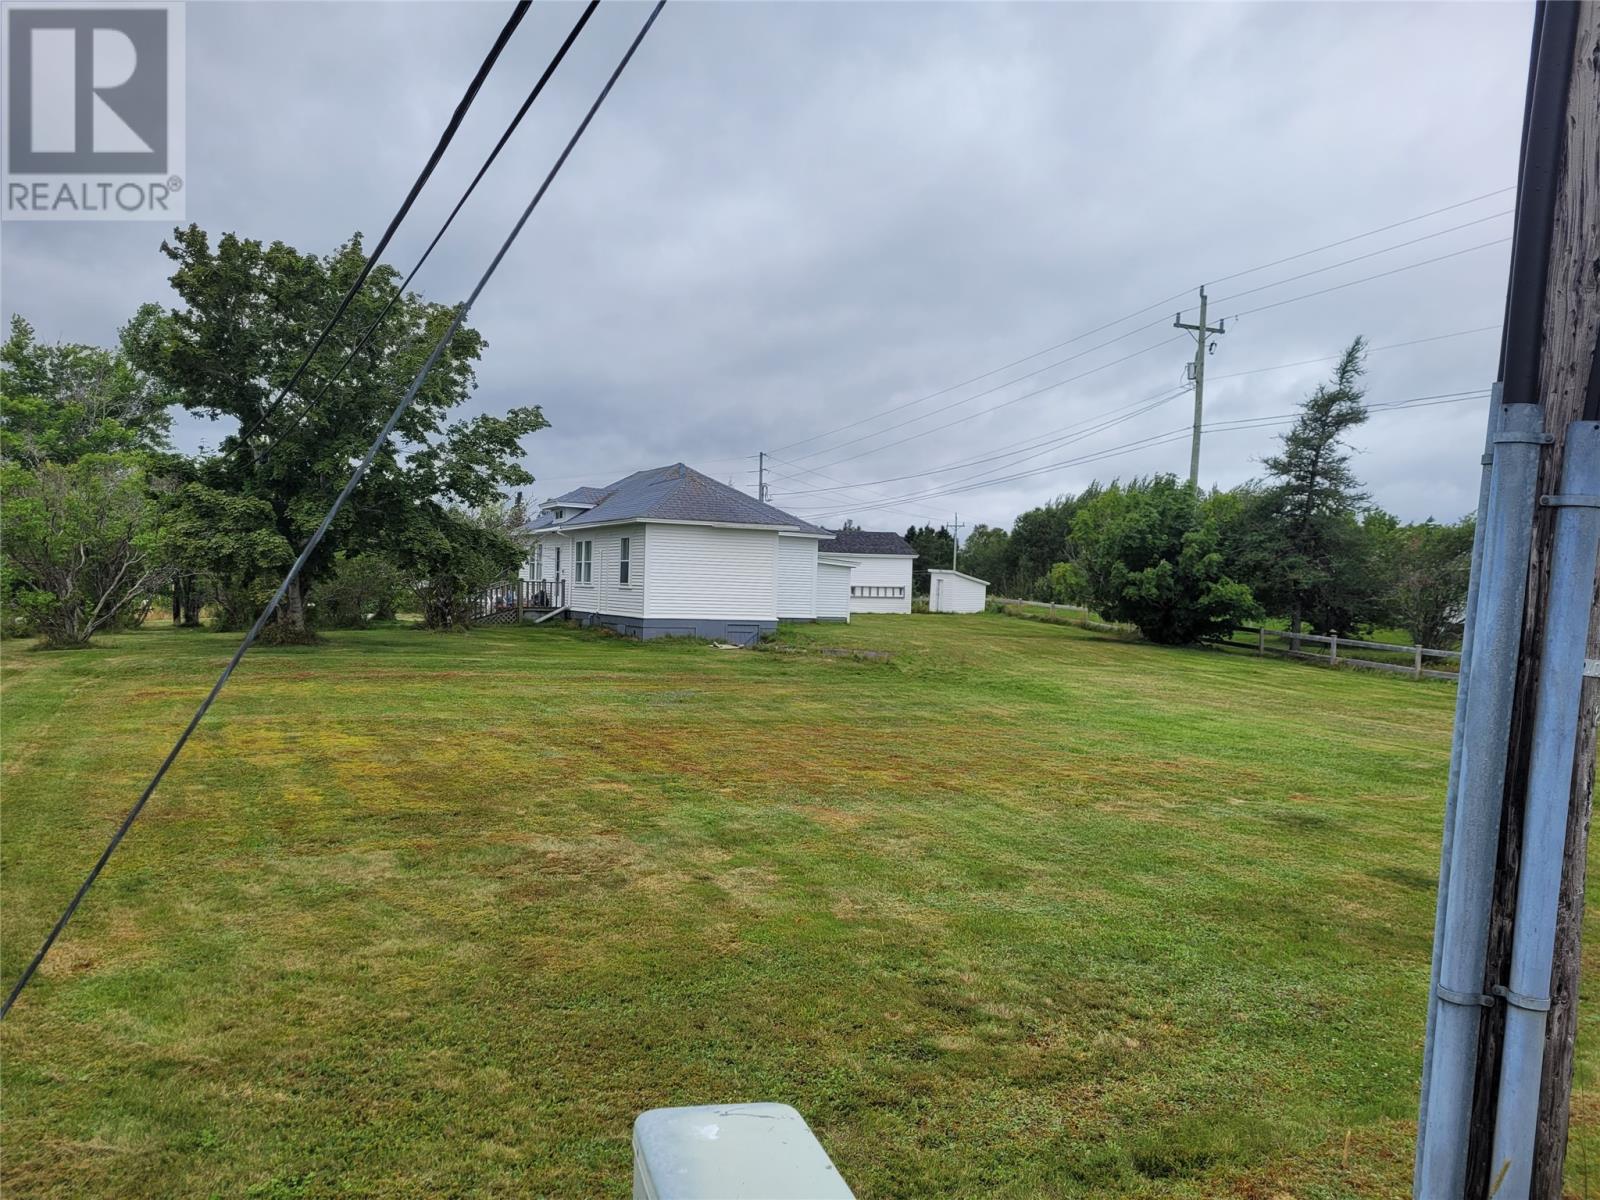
(1569, 500)
(1531, 1003)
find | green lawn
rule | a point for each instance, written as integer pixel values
(1021, 910)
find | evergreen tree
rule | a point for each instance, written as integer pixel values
(1304, 550)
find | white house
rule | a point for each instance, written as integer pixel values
(671, 551)
(881, 581)
(955, 592)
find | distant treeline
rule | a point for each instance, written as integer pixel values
(1304, 544)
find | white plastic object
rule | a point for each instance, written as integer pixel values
(731, 1152)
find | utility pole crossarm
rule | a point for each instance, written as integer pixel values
(1201, 332)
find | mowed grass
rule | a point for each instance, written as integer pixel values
(1019, 911)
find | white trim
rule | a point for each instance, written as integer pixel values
(788, 530)
(961, 574)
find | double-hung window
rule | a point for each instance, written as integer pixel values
(624, 566)
(583, 562)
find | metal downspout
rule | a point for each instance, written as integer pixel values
(1574, 551)
(1463, 682)
(1475, 837)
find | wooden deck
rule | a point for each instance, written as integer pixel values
(519, 600)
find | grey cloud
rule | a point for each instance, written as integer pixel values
(790, 216)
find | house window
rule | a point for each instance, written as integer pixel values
(623, 565)
(538, 561)
(870, 591)
(583, 562)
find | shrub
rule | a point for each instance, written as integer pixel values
(361, 589)
(1149, 554)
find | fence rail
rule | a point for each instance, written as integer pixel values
(1335, 644)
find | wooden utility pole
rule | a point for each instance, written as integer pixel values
(955, 539)
(1202, 331)
(1567, 367)
(761, 475)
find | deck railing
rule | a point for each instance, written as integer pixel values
(507, 601)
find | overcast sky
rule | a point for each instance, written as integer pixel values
(791, 217)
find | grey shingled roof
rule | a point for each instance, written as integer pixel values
(582, 495)
(866, 541)
(680, 493)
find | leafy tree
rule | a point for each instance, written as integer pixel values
(1304, 550)
(80, 434)
(61, 402)
(1149, 554)
(987, 554)
(1068, 584)
(83, 543)
(358, 591)
(1431, 566)
(934, 548)
(453, 557)
(226, 552)
(249, 313)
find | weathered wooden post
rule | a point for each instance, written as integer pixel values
(1418, 649)
(1261, 640)
(1333, 650)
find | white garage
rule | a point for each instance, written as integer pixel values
(955, 592)
(881, 581)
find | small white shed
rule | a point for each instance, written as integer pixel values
(954, 592)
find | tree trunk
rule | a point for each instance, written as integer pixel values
(292, 612)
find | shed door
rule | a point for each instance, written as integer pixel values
(938, 595)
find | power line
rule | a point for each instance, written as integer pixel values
(1152, 440)
(355, 479)
(1162, 303)
(1034, 445)
(999, 387)
(1308, 362)
(511, 127)
(1278, 262)
(992, 408)
(1056, 437)
(445, 138)
(1158, 304)
(1427, 237)
(846, 487)
(1368, 278)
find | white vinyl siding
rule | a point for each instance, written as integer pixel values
(881, 583)
(706, 572)
(596, 585)
(833, 590)
(951, 591)
(797, 578)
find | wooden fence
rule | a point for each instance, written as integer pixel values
(1338, 652)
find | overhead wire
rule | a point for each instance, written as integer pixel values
(1149, 441)
(1161, 304)
(355, 479)
(519, 11)
(245, 437)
